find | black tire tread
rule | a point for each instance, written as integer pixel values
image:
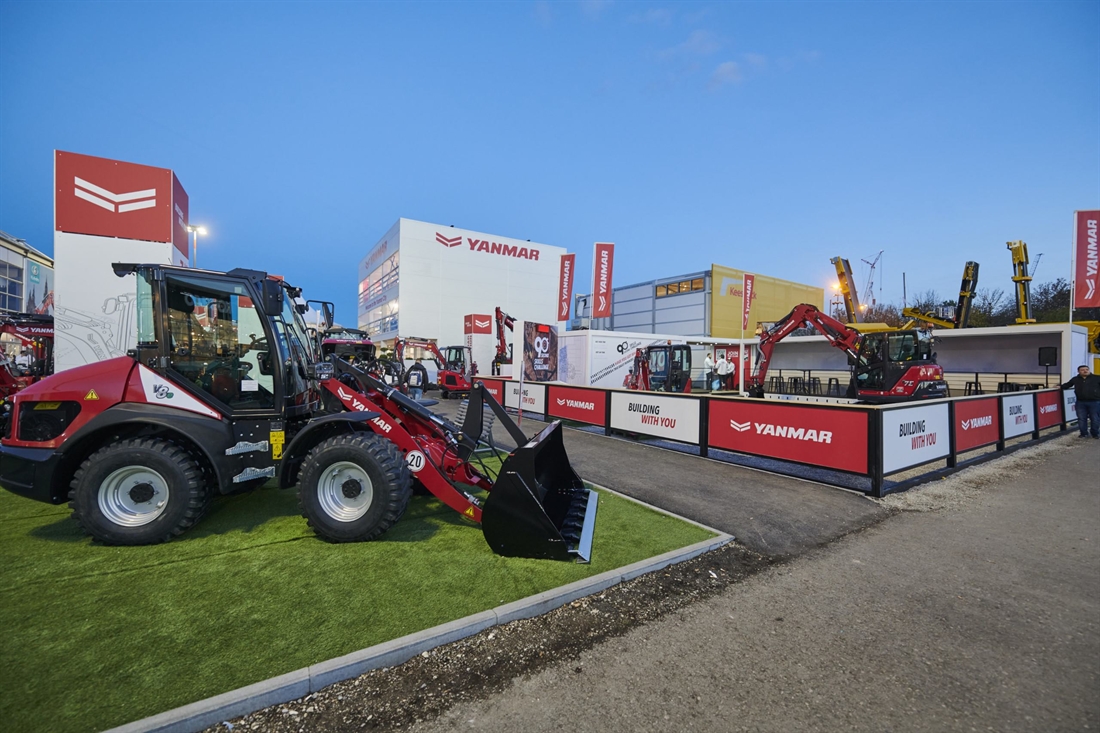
(390, 460)
(198, 496)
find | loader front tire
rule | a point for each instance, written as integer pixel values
(354, 487)
(140, 491)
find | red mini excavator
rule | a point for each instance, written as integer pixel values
(661, 368)
(35, 332)
(887, 366)
(226, 392)
(455, 365)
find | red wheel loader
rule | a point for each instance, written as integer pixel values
(225, 391)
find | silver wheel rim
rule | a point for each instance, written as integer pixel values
(345, 491)
(133, 496)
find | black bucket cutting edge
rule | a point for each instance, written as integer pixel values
(539, 507)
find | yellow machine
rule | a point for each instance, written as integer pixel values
(962, 309)
(847, 288)
(1022, 280)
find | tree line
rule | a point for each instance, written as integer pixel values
(993, 306)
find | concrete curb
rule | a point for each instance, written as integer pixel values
(299, 683)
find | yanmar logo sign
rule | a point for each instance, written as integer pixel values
(603, 265)
(1047, 409)
(977, 422)
(1087, 267)
(118, 203)
(784, 431)
(576, 404)
(495, 248)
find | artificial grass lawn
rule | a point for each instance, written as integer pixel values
(94, 636)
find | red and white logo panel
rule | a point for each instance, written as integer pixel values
(1050, 409)
(477, 323)
(565, 286)
(582, 405)
(976, 424)
(603, 264)
(495, 388)
(180, 219)
(159, 391)
(1086, 275)
(448, 241)
(110, 198)
(836, 438)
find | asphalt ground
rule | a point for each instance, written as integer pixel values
(774, 515)
(976, 606)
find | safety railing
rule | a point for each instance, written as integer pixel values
(891, 446)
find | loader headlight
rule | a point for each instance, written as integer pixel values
(43, 421)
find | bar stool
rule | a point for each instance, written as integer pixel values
(813, 386)
(776, 385)
(973, 388)
(794, 385)
(833, 387)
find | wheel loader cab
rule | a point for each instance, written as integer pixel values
(235, 341)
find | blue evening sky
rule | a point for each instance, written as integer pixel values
(765, 136)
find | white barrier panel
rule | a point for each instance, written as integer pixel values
(534, 396)
(1070, 398)
(914, 435)
(664, 417)
(1018, 414)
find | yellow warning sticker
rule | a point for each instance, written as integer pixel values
(46, 405)
(278, 438)
(469, 512)
(91, 395)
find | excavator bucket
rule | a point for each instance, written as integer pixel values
(539, 507)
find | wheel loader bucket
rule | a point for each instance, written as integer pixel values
(539, 507)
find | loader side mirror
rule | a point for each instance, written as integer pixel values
(273, 297)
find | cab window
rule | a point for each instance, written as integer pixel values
(217, 343)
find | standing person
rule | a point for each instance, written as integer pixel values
(723, 368)
(416, 378)
(708, 365)
(1086, 387)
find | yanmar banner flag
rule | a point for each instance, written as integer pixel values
(1086, 280)
(603, 260)
(746, 300)
(565, 286)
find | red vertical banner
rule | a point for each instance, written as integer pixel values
(1086, 280)
(603, 260)
(565, 286)
(746, 300)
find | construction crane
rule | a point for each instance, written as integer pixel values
(962, 310)
(869, 291)
(1022, 280)
(847, 288)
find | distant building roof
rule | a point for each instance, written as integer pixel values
(21, 244)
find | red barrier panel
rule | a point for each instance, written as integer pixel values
(495, 387)
(573, 403)
(820, 436)
(1050, 409)
(976, 424)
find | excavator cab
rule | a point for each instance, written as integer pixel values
(885, 358)
(669, 368)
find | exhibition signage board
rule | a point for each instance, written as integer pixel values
(534, 396)
(1086, 257)
(746, 301)
(540, 352)
(112, 198)
(603, 261)
(1049, 409)
(676, 418)
(565, 286)
(1069, 403)
(477, 323)
(495, 388)
(914, 435)
(581, 405)
(976, 424)
(1018, 414)
(830, 437)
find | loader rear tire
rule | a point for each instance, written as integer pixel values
(354, 487)
(140, 491)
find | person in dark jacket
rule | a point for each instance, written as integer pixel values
(1086, 387)
(416, 379)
